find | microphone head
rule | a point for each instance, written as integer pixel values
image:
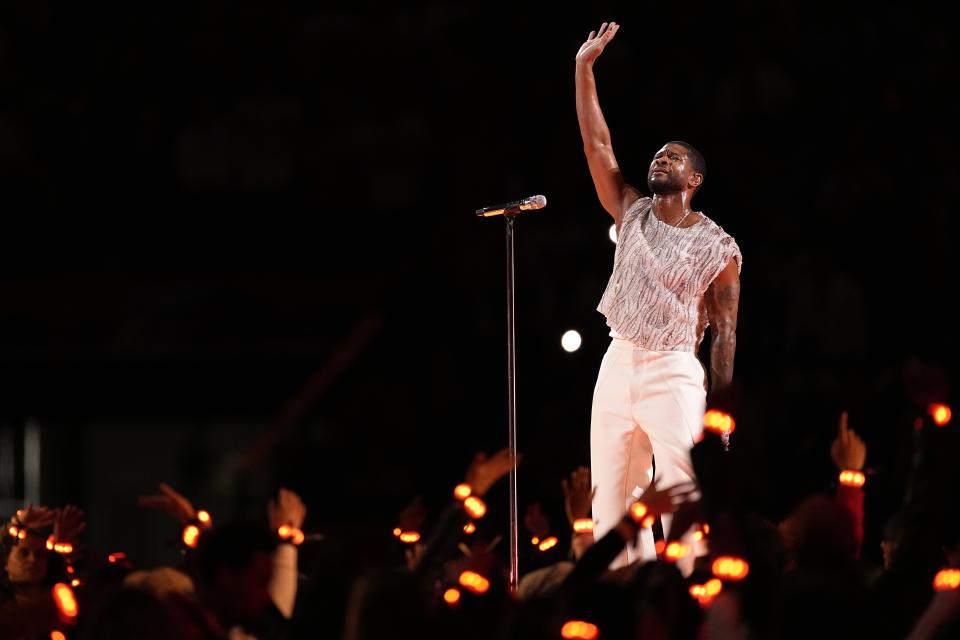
(538, 202)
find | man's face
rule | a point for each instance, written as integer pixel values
(27, 562)
(670, 170)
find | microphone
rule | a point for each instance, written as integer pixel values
(513, 208)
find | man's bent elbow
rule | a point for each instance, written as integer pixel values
(724, 335)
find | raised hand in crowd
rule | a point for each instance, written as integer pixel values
(535, 520)
(577, 495)
(848, 450)
(69, 524)
(484, 472)
(34, 517)
(669, 499)
(288, 509)
(171, 502)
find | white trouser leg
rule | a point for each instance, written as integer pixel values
(646, 404)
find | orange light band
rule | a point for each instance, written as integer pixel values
(719, 422)
(462, 491)
(583, 525)
(675, 551)
(947, 580)
(579, 630)
(451, 596)
(852, 478)
(475, 507)
(65, 601)
(730, 568)
(637, 511)
(295, 536)
(706, 593)
(940, 413)
(713, 587)
(474, 582)
(548, 543)
(191, 534)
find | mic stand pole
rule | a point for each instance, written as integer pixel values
(512, 409)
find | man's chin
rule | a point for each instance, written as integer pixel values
(660, 188)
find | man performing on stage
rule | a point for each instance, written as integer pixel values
(675, 272)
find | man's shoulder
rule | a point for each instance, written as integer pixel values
(714, 229)
(722, 243)
(640, 204)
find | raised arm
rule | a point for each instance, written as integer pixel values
(723, 301)
(288, 509)
(615, 194)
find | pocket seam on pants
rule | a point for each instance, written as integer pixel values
(683, 416)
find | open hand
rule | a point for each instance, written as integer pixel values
(37, 517)
(288, 509)
(171, 503)
(596, 41)
(667, 500)
(69, 524)
(577, 494)
(536, 521)
(484, 472)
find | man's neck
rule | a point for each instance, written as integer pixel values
(26, 591)
(671, 207)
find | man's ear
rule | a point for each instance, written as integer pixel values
(695, 180)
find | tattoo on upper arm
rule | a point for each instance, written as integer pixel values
(729, 294)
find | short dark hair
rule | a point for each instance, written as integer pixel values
(696, 158)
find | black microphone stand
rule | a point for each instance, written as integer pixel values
(508, 215)
(512, 409)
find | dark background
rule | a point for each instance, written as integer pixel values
(228, 219)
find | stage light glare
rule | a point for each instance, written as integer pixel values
(571, 341)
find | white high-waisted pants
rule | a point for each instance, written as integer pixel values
(646, 404)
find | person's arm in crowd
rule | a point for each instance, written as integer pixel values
(944, 609)
(482, 474)
(598, 557)
(170, 502)
(34, 517)
(287, 510)
(595, 560)
(577, 503)
(902, 592)
(849, 453)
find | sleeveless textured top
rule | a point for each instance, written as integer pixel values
(655, 296)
